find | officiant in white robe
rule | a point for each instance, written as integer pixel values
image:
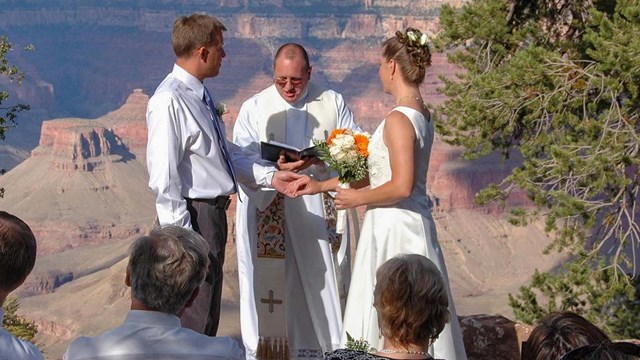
(294, 270)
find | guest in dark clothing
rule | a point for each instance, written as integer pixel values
(558, 333)
(17, 258)
(411, 299)
(605, 351)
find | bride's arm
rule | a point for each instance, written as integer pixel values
(399, 136)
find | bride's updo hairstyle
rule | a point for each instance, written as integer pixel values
(411, 299)
(410, 50)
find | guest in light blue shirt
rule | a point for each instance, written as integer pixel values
(17, 258)
(165, 271)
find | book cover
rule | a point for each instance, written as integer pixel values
(271, 151)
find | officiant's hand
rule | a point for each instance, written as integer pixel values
(297, 165)
(281, 180)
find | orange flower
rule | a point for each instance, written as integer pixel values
(335, 133)
(362, 143)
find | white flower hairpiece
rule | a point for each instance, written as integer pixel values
(423, 40)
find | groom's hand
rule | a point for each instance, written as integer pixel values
(281, 180)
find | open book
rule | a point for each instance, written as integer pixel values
(271, 151)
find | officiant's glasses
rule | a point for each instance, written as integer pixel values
(283, 80)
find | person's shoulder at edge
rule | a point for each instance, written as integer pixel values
(255, 97)
(221, 346)
(169, 87)
(27, 349)
(75, 347)
(232, 349)
(334, 93)
(171, 93)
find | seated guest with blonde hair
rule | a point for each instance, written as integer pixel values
(165, 272)
(411, 299)
(17, 258)
(558, 333)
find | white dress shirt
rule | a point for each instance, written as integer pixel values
(152, 335)
(183, 156)
(12, 348)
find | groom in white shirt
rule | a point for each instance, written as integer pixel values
(192, 168)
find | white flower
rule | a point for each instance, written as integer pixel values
(342, 146)
(337, 153)
(412, 36)
(344, 141)
(221, 109)
(423, 40)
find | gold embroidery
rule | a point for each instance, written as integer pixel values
(271, 224)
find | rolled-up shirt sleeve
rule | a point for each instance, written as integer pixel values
(165, 149)
(250, 169)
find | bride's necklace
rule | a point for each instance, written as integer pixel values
(407, 97)
(412, 352)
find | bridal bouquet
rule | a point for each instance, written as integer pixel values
(346, 152)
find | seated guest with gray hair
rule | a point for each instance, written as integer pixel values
(165, 272)
(17, 257)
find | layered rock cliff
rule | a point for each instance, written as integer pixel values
(85, 183)
(89, 55)
(80, 144)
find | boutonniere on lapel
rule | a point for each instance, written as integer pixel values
(221, 109)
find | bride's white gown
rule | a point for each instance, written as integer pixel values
(401, 228)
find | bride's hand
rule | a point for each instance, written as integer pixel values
(305, 185)
(347, 198)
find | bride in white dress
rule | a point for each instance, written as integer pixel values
(398, 217)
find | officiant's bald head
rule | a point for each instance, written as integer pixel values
(291, 71)
(292, 51)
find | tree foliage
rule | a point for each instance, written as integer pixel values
(587, 289)
(18, 325)
(8, 113)
(557, 81)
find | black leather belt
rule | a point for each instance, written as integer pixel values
(221, 202)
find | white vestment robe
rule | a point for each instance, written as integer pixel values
(299, 298)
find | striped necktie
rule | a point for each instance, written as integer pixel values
(222, 141)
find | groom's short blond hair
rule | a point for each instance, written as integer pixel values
(193, 31)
